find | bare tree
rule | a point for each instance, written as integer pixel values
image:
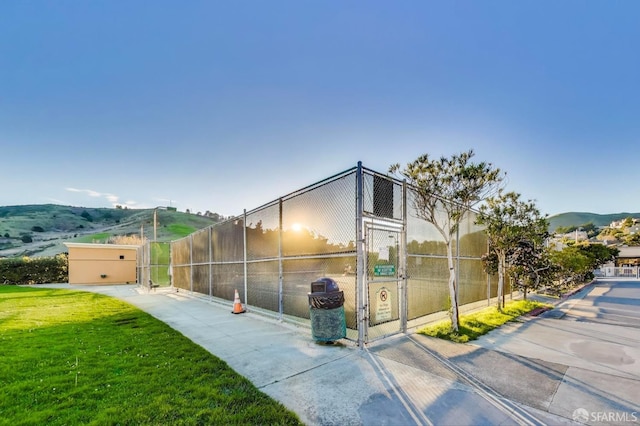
(445, 190)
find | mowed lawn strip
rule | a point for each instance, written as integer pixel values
(476, 324)
(72, 357)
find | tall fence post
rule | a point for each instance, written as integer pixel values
(280, 266)
(361, 292)
(404, 291)
(488, 280)
(148, 268)
(210, 263)
(191, 263)
(244, 244)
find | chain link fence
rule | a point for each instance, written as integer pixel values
(357, 227)
(154, 264)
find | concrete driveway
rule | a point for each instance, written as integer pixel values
(592, 342)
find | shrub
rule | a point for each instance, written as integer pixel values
(27, 239)
(39, 270)
(37, 229)
(85, 214)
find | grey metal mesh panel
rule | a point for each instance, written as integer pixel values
(321, 220)
(227, 241)
(200, 246)
(227, 278)
(348, 284)
(181, 251)
(262, 285)
(427, 286)
(473, 239)
(143, 265)
(472, 281)
(422, 236)
(182, 277)
(200, 276)
(263, 233)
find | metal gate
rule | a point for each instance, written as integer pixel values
(385, 280)
(381, 255)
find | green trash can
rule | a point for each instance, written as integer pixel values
(326, 306)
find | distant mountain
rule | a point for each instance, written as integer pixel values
(40, 229)
(578, 218)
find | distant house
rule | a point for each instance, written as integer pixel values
(616, 224)
(96, 264)
(628, 256)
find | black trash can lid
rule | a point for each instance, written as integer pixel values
(324, 285)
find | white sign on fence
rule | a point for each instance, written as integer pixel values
(383, 305)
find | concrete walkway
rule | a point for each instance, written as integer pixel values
(538, 371)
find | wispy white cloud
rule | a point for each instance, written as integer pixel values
(89, 192)
(111, 198)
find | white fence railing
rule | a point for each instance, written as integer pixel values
(619, 272)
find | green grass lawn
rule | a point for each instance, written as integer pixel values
(70, 357)
(474, 325)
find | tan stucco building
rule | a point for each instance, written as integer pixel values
(102, 263)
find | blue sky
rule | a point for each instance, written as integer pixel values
(228, 105)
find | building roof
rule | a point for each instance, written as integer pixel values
(626, 251)
(105, 246)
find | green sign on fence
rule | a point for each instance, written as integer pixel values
(384, 270)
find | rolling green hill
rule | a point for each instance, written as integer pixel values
(40, 229)
(579, 218)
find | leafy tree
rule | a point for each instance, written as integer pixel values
(27, 239)
(516, 230)
(599, 253)
(530, 266)
(573, 265)
(632, 239)
(6, 235)
(85, 214)
(445, 189)
(590, 228)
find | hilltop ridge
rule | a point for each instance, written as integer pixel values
(581, 218)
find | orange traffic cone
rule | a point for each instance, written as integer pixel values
(237, 305)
